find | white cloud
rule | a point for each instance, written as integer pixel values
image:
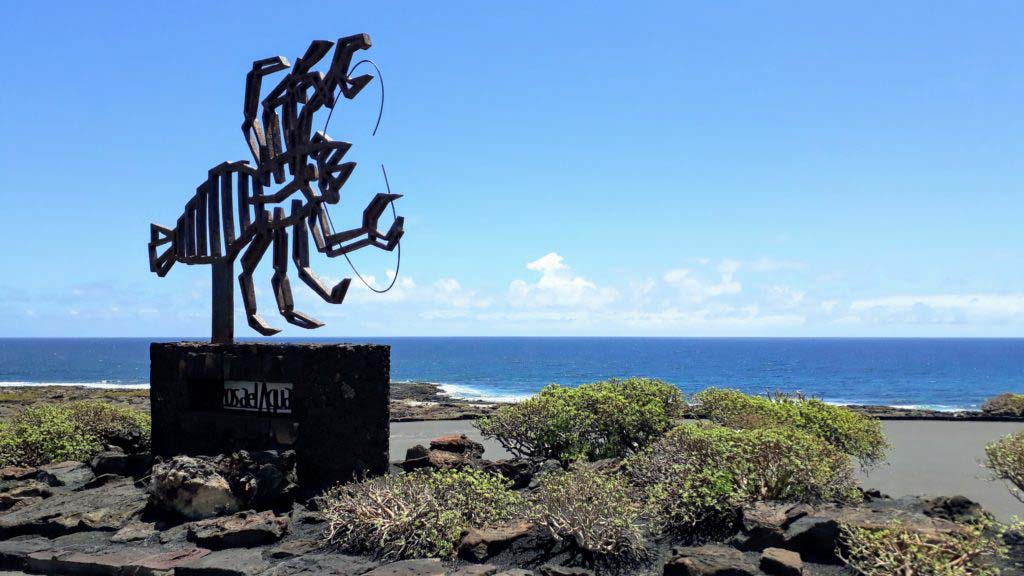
(785, 297)
(358, 293)
(717, 316)
(939, 308)
(640, 290)
(560, 316)
(550, 262)
(449, 292)
(697, 290)
(975, 303)
(557, 286)
(701, 297)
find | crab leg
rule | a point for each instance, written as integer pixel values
(250, 259)
(300, 256)
(282, 287)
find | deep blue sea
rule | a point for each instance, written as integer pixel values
(937, 373)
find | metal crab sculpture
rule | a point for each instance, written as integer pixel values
(229, 213)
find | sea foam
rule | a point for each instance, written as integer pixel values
(101, 384)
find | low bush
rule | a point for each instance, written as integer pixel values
(593, 421)
(49, 433)
(1004, 405)
(418, 514)
(698, 474)
(855, 434)
(1005, 458)
(598, 512)
(8, 445)
(897, 550)
(114, 425)
(76, 431)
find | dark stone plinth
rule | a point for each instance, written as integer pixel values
(338, 423)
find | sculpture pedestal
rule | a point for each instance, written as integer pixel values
(328, 402)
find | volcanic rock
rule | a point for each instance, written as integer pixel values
(418, 567)
(70, 474)
(242, 530)
(191, 488)
(118, 463)
(1004, 405)
(517, 470)
(779, 562)
(416, 452)
(710, 560)
(459, 444)
(233, 562)
(441, 460)
(479, 544)
(320, 564)
(262, 480)
(763, 524)
(108, 507)
(554, 570)
(13, 476)
(957, 509)
(476, 570)
(545, 467)
(25, 490)
(817, 537)
(134, 531)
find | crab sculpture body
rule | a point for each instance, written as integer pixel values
(237, 211)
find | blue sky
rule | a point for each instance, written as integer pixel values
(592, 168)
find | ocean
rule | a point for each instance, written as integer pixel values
(942, 374)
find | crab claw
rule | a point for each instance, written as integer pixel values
(375, 208)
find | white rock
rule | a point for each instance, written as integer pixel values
(192, 488)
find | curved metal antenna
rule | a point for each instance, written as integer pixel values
(398, 256)
(380, 109)
(394, 213)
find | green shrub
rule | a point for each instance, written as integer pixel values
(1005, 458)
(419, 514)
(897, 550)
(698, 474)
(1004, 405)
(44, 434)
(114, 425)
(75, 431)
(598, 512)
(593, 421)
(855, 434)
(8, 445)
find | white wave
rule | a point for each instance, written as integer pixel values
(935, 407)
(469, 393)
(101, 384)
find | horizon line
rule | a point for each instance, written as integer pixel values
(559, 337)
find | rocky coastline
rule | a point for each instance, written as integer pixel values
(424, 401)
(410, 401)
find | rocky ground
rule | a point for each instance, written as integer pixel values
(410, 401)
(242, 514)
(891, 413)
(413, 401)
(15, 399)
